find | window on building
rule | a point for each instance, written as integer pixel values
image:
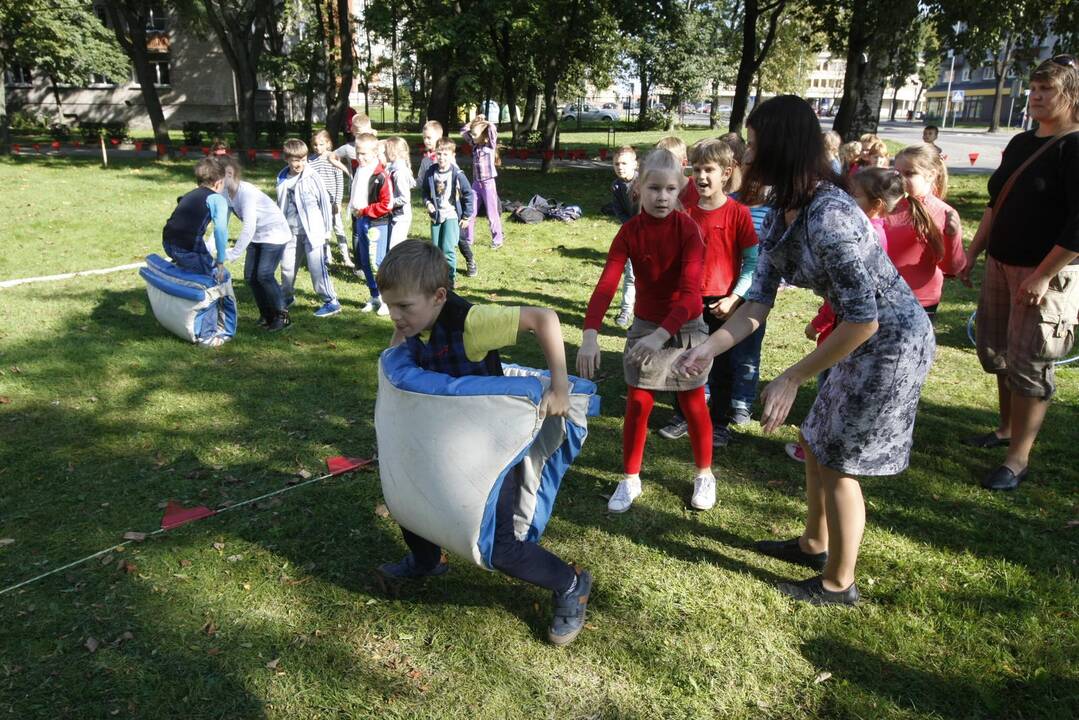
(964, 75)
(18, 75)
(97, 79)
(160, 67)
(158, 19)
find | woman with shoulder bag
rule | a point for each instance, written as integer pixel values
(1029, 303)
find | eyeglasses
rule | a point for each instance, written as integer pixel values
(1065, 60)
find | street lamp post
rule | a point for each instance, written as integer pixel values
(948, 94)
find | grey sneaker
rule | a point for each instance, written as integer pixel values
(675, 429)
(624, 319)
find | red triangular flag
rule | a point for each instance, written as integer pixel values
(176, 514)
(340, 464)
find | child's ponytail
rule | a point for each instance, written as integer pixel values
(925, 227)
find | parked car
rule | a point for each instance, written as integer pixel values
(590, 114)
(723, 110)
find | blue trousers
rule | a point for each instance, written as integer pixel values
(522, 560)
(746, 370)
(198, 260)
(260, 272)
(361, 252)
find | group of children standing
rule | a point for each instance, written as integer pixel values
(307, 216)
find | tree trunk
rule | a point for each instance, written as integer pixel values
(551, 116)
(757, 95)
(443, 100)
(859, 110)
(1000, 72)
(335, 115)
(642, 113)
(673, 112)
(753, 56)
(895, 94)
(531, 118)
(713, 116)
(130, 31)
(5, 126)
(59, 102)
(509, 96)
(393, 63)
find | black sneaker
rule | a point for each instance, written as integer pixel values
(676, 428)
(280, 322)
(812, 591)
(472, 270)
(264, 321)
(569, 611)
(740, 416)
(792, 552)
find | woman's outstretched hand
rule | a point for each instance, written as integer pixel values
(777, 399)
(693, 361)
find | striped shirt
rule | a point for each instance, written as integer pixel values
(331, 177)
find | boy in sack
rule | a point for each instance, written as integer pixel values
(447, 334)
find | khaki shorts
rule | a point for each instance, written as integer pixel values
(1022, 341)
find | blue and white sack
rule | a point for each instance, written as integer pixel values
(195, 307)
(446, 445)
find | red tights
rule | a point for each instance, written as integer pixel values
(635, 428)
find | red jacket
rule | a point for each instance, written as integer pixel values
(379, 197)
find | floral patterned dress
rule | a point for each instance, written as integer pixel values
(862, 422)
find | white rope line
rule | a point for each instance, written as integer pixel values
(161, 530)
(68, 276)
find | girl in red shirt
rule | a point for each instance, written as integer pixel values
(666, 244)
(925, 238)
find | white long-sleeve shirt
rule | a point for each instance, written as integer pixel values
(263, 221)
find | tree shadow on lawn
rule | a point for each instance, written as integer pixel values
(869, 679)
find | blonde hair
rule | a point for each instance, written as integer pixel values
(711, 151)
(848, 153)
(832, 141)
(433, 125)
(873, 145)
(322, 135)
(445, 143)
(397, 149)
(361, 122)
(294, 147)
(415, 266)
(660, 160)
(674, 145)
(926, 161)
(367, 139)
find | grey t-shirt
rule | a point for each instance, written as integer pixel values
(444, 193)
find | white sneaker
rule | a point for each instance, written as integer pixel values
(383, 309)
(628, 490)
(371, 306)
(704, 492)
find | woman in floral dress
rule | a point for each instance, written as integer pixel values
(862, 421)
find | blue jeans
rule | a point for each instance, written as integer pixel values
(746, 370)
(197, 261)
(519, 559)
(260, 272)
(361, 252)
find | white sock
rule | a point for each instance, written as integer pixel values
(634, 476)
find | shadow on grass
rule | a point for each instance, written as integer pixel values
(878, 681)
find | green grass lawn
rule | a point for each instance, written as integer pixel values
(271, 611)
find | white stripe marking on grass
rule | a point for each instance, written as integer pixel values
(69, 276)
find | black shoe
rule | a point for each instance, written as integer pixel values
(280, 322)
(721, 436)
(472, 271)
(790, 551)
(812, 591)
(1003, 478)
(740, 417)
(264, 321)
(989, 440)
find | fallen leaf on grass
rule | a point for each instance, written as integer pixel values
(304, 474)
(185, 563)
(415, 674)
(213, 651)
(16, 369)
(234, 558)
(821, 677)
(92, 644)
(1072, 523)
(5, 400)
(382, 511)
(136, 536)
(125, 636)
(775, 483)
(219, 546)
(209, 628)
(7, 541)
(272, 665)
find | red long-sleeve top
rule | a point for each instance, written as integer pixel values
(913, 257)
(668, 257)
(727, 231)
